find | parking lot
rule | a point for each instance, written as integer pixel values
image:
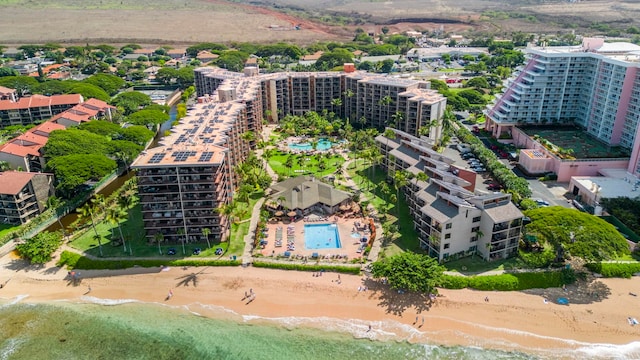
(551, 193)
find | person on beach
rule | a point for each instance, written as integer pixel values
(486, 299)
(415, 322)
(170, 294)
(422, 323)
(369, 328)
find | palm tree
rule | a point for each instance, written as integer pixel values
(159, 237)
(336, 103)
(400, 179)
(206, 232)
(182, 234)
(397, 119)
(4, 166)
(86, 211)
(289, 163)
(114, 216)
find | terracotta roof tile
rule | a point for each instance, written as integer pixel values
(12, 182)
(19, 150)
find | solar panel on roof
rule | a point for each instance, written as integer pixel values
(206, 156)
(156, 158)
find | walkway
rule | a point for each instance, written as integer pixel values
(247, 255)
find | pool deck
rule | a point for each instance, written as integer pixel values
(296, 230)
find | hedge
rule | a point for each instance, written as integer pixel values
(77, 261)
(609, 270)
(504, 282)
(308, 267)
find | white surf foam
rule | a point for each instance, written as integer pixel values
(11, 345)
(15, 300)
(108, 302)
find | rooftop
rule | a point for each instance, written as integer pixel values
(12, 182)
(302, 192)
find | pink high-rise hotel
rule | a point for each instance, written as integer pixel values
(595, 86)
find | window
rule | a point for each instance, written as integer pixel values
(446, 246)
(475, 229)
(447, 236)
(472, 248)
(473, 239)
(476, 219)
(448, 226)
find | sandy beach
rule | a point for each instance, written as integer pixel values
(508, 320)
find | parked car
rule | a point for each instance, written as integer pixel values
(479, 170)
(171, 251)
(541, 202)
(494, 186)
(467, 156)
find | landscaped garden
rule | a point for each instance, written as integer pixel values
(572, 142)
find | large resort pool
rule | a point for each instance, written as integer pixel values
(321, 236)
(323, 145)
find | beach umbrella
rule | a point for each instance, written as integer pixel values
(279, 213)
(292, 213)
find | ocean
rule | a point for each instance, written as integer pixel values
(131, 330)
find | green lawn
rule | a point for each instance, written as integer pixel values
(6, 228)
(476, 264)
(368, 179)
(309, 164)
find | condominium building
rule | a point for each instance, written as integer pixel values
(595, 86)
(450, 219)
(186, 179)
(376, 100)
(23, 195)
(35, 108)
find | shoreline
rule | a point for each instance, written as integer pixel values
(510, 321)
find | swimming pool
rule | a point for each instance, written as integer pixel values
(321, 236)
(323, 144)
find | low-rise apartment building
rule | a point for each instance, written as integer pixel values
(450, 218)
(35, 108)
(23, 152)
(23, 195)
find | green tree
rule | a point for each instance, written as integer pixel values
(580, 234)
(89, 91)
(38, 249)
(409, 271)
(478, 82)
(7, 71)
(147, 117)
(72, 171)
(22, 84)
(131, 101)
(109, 83)
(87, 211)
(115, 216)
(158, 238)
(206, 232)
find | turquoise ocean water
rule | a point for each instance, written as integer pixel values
(63, 330)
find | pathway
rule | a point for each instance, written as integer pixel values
(247, 257)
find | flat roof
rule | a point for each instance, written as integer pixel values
(609, 187)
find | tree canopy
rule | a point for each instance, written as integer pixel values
(131, 101)
(38, 249)
(144, 117)
(74, 170)
(109, 83)
(90, 91)
(626, 210)
(580, 234)
(74, 141)
(409, 271)
(7, 71)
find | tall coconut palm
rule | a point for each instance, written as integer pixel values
(159, 237)
(206, 232)
(87, 211)
(400, 179)
(182, 234)
(115, 216)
